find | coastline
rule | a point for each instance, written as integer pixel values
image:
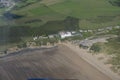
(85, 55)
(23, 50)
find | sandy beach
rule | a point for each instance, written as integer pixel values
(93, 60)
(59, 63)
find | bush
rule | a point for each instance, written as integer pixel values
(95, 48)
(22, 45)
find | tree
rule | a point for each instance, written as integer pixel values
(71, 23)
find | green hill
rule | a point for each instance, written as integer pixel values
(92, 13)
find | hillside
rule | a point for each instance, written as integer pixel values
(92, 14)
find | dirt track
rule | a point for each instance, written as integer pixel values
(59, 62)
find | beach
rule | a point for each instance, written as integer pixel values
(94, 60)
(60, 62)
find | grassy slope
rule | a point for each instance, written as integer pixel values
(1, 20)
(38, 10)
(86, 8)
(112, 47)
(87, 11)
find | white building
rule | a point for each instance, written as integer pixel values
(51, 36)
(65, 34)
(81, 31)
(35, 38)
(90, 30)
(117, 27)
(109, 28)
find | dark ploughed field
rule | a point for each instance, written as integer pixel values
(58, 62)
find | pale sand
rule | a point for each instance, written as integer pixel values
(60, 62)
(93, 60)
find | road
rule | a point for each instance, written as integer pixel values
(60, 62)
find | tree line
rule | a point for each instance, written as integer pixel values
(15, 33)
(115, 2)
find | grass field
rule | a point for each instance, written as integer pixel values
(92, 14)
(2, 22)
(86, 8)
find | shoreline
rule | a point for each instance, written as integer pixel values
(92, 60)
(28, 49)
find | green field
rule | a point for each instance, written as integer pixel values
(92, 13)
(86, 8)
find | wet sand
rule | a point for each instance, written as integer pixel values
(59, 63)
